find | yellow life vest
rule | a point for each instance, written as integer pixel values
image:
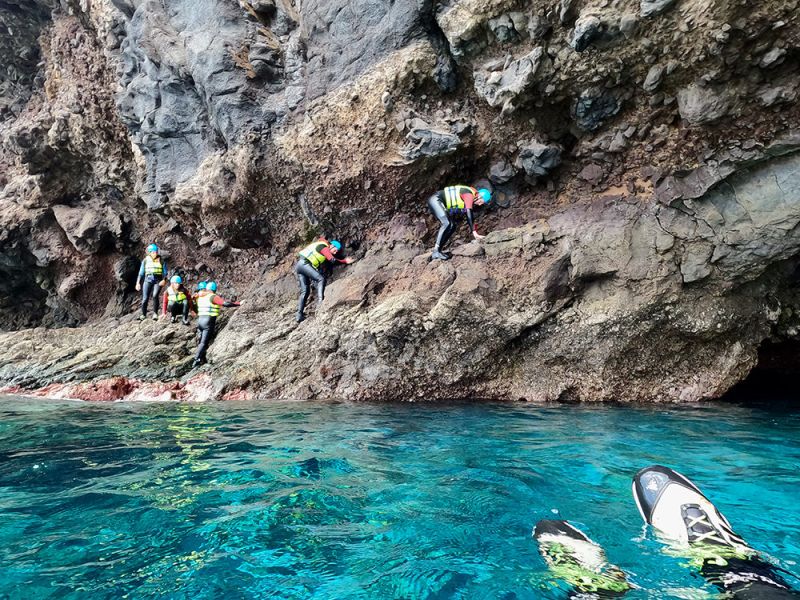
(312, 253)
(452, 196)
(153, 267)
(205, 306)
(175, 295)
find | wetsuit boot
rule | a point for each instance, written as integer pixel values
(693, 526)
(439, 255)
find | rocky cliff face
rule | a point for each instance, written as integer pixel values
(644, 155)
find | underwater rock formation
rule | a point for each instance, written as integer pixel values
(644, 155)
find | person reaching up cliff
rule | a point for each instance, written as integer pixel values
(309, 268)
(208, 307)
(450, 204)
(152, 277)
(177, 300)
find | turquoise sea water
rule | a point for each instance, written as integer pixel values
(342, 501)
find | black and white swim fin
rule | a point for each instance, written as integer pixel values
(574, 558)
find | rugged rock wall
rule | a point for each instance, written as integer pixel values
(644, 155)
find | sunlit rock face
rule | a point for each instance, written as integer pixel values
(643, 154)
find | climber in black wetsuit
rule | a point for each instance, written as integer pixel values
(177, 300)
(153, 274)
(208, 307)
(311, 260)
(450, 202)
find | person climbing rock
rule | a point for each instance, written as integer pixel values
(152, 277)
(308, 269)
(177, 301)
(450, 203)
(208, 307)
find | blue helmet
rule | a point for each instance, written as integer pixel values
(201, 286)
(212, 285)
(176, 279)
(336, 244)
(485, 194)
(152, 248)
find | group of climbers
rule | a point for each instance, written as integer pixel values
(313, 264)
(178, 300)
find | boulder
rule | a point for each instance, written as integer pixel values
(87, 230)
(503, 29)
(501, 171)
(772, 58)
(628, 24)
(426, 142)
(701, 104)
(594, 107)
(537, 159)
(592, 30)
(653, 79)
(651, 8)
(511, 87)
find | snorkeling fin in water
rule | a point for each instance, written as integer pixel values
(676, 508)
(579, 561)
(692, 526)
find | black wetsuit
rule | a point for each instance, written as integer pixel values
(747, 579)
(306, 273)
(179, 308)
(206, 326)
(447, 223)
(151, 289)
(150, 284)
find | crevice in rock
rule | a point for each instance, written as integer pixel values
(445, 72)
(773, 381)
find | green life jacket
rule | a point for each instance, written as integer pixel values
(312, 253)
(452, 196)
(175, 295)
(205, 306)
(153, 267)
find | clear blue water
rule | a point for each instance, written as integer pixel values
(341, 501)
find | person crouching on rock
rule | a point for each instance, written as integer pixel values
(177, 300)
(449, 203)
(152, 277)
(208, 306)
(312, 257)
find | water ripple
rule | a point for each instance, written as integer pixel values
(342, 501)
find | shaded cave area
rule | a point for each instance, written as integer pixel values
(773, 383)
